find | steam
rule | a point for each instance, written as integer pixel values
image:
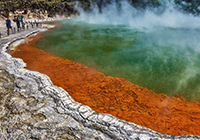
(123, 13)
(161, 44)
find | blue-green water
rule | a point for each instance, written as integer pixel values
(154, 48)
(163, 59)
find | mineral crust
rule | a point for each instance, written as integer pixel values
(31, 107)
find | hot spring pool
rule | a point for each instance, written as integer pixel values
(165, 60)
(159, 51)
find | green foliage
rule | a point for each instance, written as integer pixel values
(52, 6)
(146, 3)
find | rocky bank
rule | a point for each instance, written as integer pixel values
(31, 107)
(113, 95)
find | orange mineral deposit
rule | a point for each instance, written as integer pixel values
(116, 96)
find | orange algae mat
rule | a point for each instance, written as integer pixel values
(116, 96)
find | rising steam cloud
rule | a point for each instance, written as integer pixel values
(166, 39)
(123, 13)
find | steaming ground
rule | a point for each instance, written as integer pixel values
(157, 51)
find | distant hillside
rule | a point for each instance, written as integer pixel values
(66, 7)
(62, 7)
(53, 7)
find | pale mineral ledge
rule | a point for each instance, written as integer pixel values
(31, 107)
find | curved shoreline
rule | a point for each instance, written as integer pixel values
(71, 119)
(115, 96)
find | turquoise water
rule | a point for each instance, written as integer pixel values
(161, 58)
(155, 48)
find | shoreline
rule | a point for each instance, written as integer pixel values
(42, 110)
(155, 111)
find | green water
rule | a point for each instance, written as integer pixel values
(165, 60)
